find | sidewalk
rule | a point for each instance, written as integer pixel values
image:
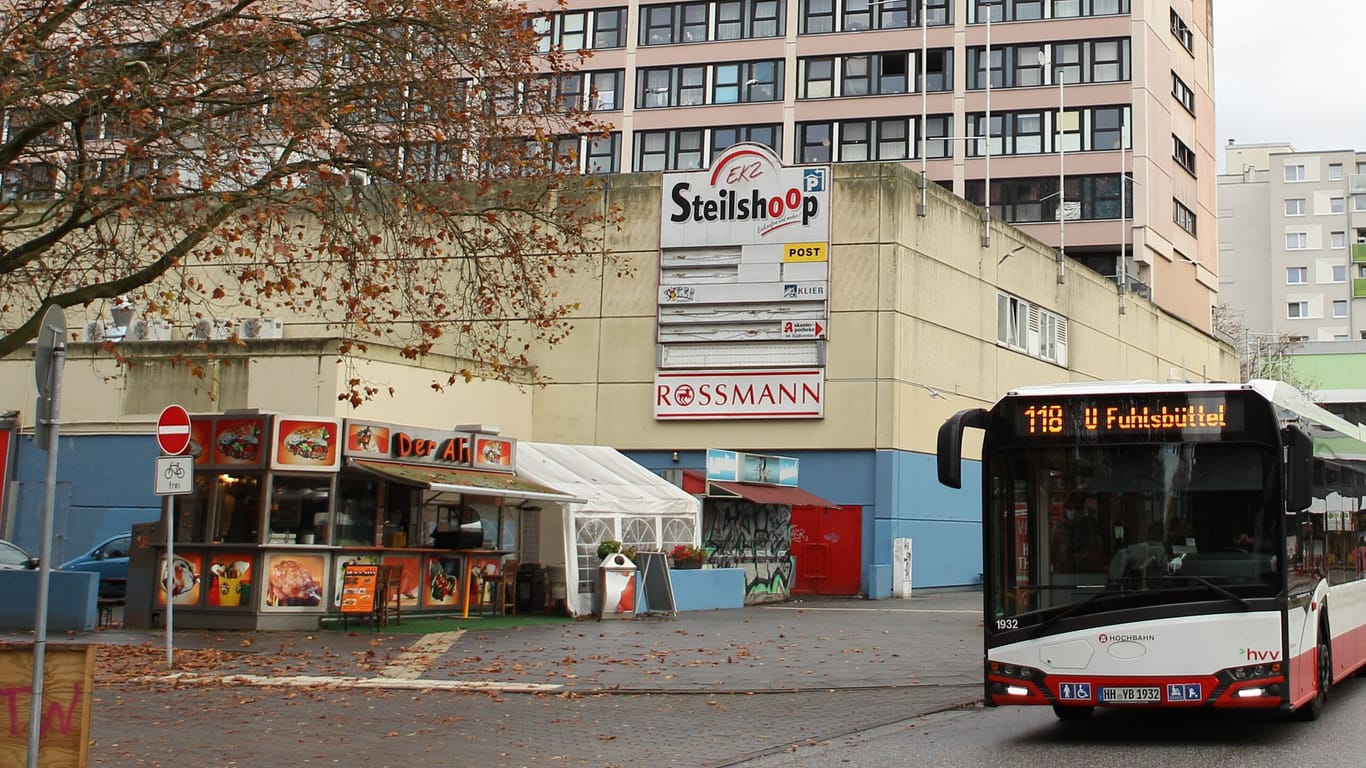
(804, 644)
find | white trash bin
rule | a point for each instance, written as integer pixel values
(616, 588)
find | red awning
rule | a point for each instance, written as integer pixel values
(785, 495)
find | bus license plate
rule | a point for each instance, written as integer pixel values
(1131, 695)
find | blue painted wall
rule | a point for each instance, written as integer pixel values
(901, 498)
(104, 485)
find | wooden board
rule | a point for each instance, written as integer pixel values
(68, 689)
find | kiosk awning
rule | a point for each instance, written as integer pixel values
(473, 481)
(786, 495)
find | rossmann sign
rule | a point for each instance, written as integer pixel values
(746, 198)
(795, 393)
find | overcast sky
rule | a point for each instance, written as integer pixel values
(1288, 72)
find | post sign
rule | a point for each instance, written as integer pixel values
(173, 430)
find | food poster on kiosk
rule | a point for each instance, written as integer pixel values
(186, 579)
(306, 445)
(230, 442)
(230, 575)
(410, 578)
(443, 581)
(295, 581)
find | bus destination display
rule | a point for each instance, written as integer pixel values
(1096, 417)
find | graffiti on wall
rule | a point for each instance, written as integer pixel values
(756, 538)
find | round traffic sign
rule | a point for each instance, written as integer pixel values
(173, 430)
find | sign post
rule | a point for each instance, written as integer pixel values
(48, 358)
(174, 476)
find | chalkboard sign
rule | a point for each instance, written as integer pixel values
(358, 588)
(654, 582)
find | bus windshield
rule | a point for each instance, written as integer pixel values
(1079, 529)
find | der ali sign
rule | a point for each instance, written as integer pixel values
(743, 302)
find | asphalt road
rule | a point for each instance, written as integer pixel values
(706, 689)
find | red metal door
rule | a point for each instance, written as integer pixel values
(827, 544)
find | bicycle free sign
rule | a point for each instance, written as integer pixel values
(174, 476)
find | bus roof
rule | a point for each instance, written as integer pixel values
(1348, 440)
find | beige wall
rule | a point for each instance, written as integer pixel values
(302, 377)
(912, 308)
(912, 303)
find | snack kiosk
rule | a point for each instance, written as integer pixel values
(282, 504)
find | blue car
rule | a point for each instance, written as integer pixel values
(110, 560)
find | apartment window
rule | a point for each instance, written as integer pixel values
(1183, 155)
(854, 141)
(892, 141)
(609, 28)
(1337, 205)
(1337, 240)
(606, 90)
(936, 134)
(1335, 171)
(1182, 32)
(938, 70)
(682, 150)
(1294, 206)
(816, 78)
(1339, 308)
(746, 82)
(1012, 317)
(1339, 273)
(937, 12)
(879, 73)
(1018, 65)
(1297, 309)
(1025, 200)
(1296, 275)
(604, 154)
(1359, 202)
(1294, 172)
(1183, 93)
(725, 138)
(1296, 241)
(818, 16)
(1183, 216)
(667, 24)
(814, 142)
(1031, 329)
(1012, 133)
(687, 85)
(657, 24)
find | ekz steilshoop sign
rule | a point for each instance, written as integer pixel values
(744, 279)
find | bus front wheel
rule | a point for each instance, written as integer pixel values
(1072, 714)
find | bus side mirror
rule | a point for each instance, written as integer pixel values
(1299, 469)
(949, 450)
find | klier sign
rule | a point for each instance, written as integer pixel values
(746, 198)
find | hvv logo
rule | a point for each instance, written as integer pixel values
(1252, 654)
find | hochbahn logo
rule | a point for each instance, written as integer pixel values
(1109, 638)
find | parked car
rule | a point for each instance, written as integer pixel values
(109, 559)
(13, 558)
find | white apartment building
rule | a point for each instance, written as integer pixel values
(845, 81)
(1292, 241)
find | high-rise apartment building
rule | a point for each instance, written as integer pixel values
(1085, 93)
(1292, 241)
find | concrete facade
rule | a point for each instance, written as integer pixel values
(841, 82)
(1293, 241)
(914, 337)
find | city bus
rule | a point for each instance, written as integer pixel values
(1167, 545)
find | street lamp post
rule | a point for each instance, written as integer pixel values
(1059, 134)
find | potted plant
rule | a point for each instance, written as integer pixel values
(609, 547)
(686, 556)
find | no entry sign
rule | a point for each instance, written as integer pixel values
(173, 430)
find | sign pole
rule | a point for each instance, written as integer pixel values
(167, 509)
(51, 334)
(173, 437)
